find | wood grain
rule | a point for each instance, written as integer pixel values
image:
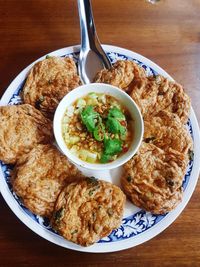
(169, 34)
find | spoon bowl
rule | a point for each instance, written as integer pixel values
(92, 57)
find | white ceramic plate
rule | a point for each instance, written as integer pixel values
(137, 226)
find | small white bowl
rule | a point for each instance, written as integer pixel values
(123, 98)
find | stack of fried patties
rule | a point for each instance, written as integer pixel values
(153, 178)
(81, 209)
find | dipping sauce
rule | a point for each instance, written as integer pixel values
(97, 128)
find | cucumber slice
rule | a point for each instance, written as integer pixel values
(73, 139)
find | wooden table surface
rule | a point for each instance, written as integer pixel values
(169, 34)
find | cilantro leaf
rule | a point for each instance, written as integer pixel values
(112, 146)
(114, 121)
(113, 125)
(90, 118)
(105, 158)
(122, 130)
(116, 113)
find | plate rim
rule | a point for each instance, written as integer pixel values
(123, 244)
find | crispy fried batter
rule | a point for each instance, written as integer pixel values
(39, 177)
(48, 82)
(153, 94)
(121, 74)
(165, 130)
(88, 210)
(22, 127)
(153, 178)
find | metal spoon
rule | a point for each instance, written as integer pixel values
(92, 57)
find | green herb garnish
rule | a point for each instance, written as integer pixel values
(91, 192)
(191, 154)
(92, 180)
(112, 125)
(111, 147)
(105, 158)
(116, 121)
(90, 118)
(116, 113)
(59, 214)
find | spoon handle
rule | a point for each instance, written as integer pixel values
(89, 38)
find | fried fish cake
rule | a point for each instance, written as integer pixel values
(144, 93)
(39, 176)
(48, 82)
(152, 179)
(165, 130)
(153, 94)
(121, 74)
(88, 210)
(22, 127)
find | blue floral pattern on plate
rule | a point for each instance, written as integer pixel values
(132, 225)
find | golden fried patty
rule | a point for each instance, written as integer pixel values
(121, 74)
(39, 176)
(88, 210)
(153, 94)
(48, 82)
(152, 179)
(165, 130)
(22, 127)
